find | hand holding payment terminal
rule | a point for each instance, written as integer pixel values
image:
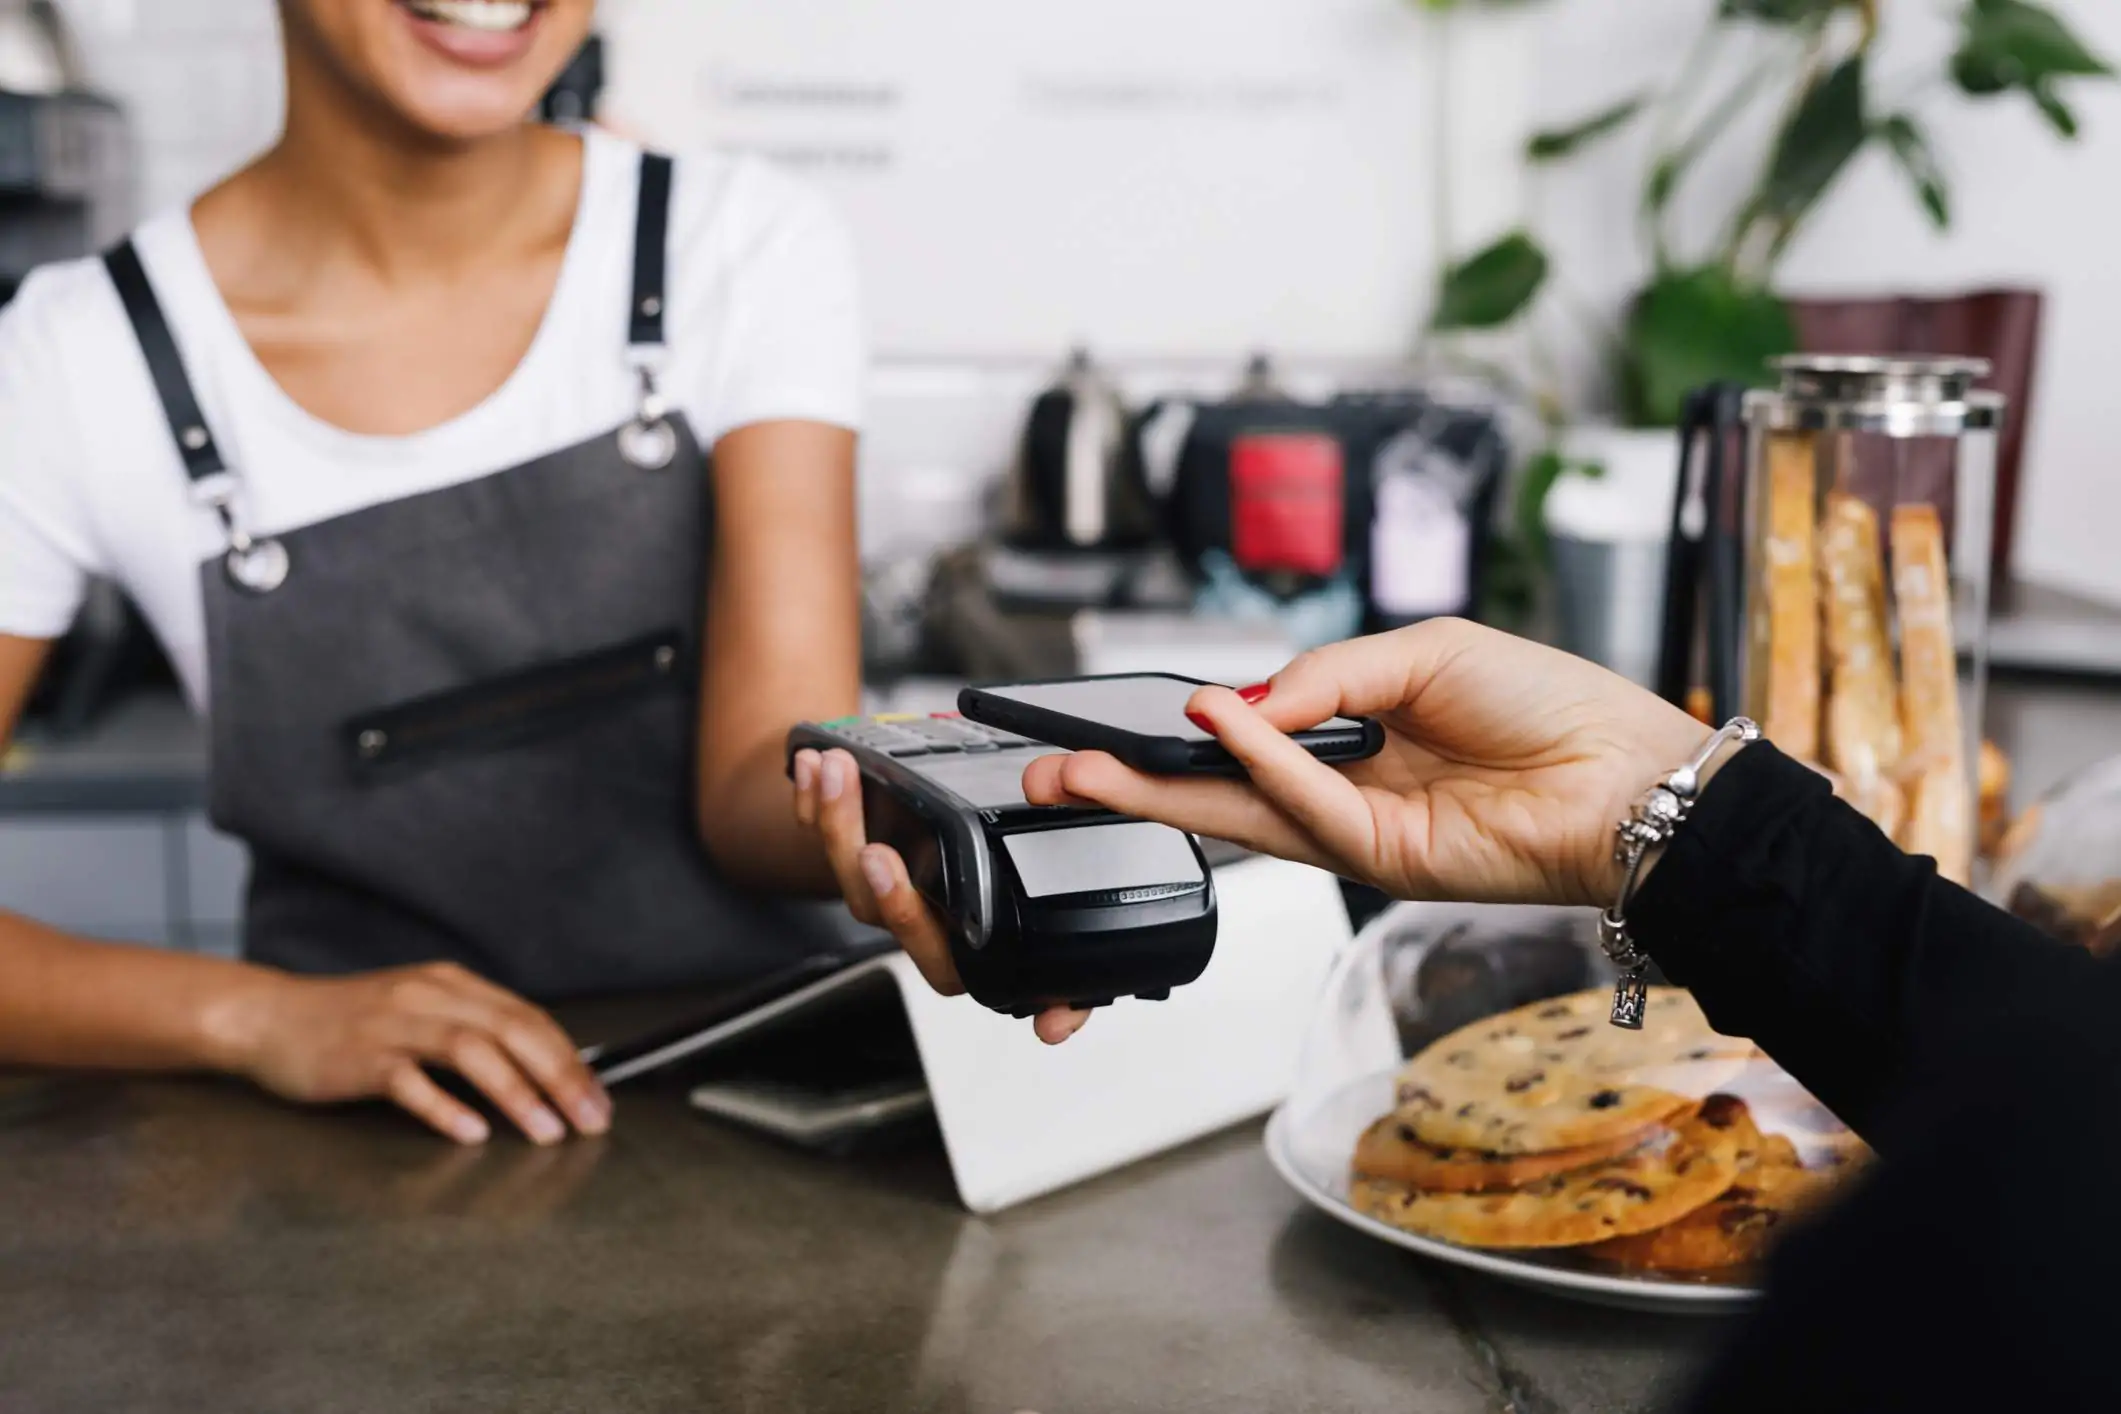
(1043, 906)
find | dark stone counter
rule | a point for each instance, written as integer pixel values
(189, 1245)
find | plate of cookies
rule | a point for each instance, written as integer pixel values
(1652, 1169)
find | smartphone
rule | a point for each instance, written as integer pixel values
(1141, 719)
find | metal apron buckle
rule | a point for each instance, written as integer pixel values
(649, 441)
(253, 566)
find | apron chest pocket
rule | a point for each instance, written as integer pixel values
(529, 705)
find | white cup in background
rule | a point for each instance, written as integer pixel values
(1609, 536)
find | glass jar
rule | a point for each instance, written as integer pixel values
(1869, 517)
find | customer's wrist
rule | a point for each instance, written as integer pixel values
(1654, 758)
(1708, 773)
(232, 1024)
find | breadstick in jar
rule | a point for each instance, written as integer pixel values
(1790, 717)
(1862, 710)
(1930, 726)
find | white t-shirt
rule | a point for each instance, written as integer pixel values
(763, 323)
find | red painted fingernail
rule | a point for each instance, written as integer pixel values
(1200, 720)
(1256, 693)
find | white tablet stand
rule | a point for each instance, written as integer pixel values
(1021, 1119)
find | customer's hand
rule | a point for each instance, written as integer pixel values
(325, 1040)
(873, 879)
(1505, 769)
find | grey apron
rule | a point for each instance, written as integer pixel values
(463, 725)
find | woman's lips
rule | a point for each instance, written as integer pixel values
(442, 26)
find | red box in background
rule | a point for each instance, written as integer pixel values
(1288, 497)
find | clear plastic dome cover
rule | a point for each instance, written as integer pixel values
(2059, 866)
(1462, 1093)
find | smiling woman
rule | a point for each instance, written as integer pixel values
(458, 68)
(491, 488)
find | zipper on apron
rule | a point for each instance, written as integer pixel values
(547, 700)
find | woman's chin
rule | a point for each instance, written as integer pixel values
(449, 83)
(461, 108)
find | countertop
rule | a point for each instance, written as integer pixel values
(181, 1245)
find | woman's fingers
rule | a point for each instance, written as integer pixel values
(840, 825)
(1045, 781)
(1201, 805)
(536, 1043)
(1326, 805)
(806, 773)
(414, 1091)
(477, 1057)
(1059, 1023)
(531, 1039)
(914, 924)
(902, 910)
(1364, 676)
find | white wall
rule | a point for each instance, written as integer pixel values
(2029, 209)
(200, 77)
(1184, 178)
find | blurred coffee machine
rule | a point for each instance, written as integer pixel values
(1078, 525)
(65, 177)
(65, 190)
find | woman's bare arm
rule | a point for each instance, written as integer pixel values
(65, 1001)
(783, 641)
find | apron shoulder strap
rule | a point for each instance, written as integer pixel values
(651, 253)
(180, 404)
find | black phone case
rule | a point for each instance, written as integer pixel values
(1157, 755)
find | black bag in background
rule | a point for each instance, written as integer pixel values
(1272, 483)
(1292, 492)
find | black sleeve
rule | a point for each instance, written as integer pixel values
(1796, 923)
(1973, 1268)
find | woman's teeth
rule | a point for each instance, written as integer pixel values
(493, 16)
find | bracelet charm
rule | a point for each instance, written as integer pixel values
(1655, 819)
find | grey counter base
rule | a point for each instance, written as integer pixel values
(191, 1245)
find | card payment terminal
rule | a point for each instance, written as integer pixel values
(1043, 906)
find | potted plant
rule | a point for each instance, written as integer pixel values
(1710, 312)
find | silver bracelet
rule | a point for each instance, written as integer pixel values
(1655, 819)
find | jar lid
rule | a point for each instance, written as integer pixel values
(1895, 395)
(1873, 378)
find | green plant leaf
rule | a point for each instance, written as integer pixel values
(1827, 130)
(1559, 143)
(1911, 148)
(2014, 44)
(1664, 176)
(1488, 290)
(1508, 583)
(1691, 327)
(2058, 114)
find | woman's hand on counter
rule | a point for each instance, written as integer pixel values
(873, 879)
(329, 1040)
(1506, 769)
